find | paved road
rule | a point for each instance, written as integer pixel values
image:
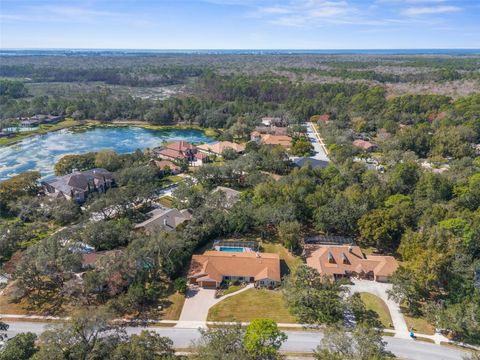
(317, 142)
(298, 341)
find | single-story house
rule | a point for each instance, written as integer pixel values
(282, 140)
(217, 148)
(231, 195)
(166, 165)
(365, 145)
(79, 184)
(343, 261)
(164, 218)
(214, 267)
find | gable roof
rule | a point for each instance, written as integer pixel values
(214, 265)
(166, 218)
(341, 260)
(163, 164)
(231, 195)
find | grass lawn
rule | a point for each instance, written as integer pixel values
(419, 325)
(252, 304)
(376, 304)
(6, 307)
(174, 308)
(232, 289)
(166, 201)
(290, 260)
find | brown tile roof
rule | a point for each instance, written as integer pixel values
(179, 146)
(220, 146)
(285, 141)
(341, 260)
(213, 265)
(365, 145)
(162, 164)
(170, 153)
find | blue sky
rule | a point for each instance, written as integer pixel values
(240, 24)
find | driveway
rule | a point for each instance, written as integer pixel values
(197, 303)
(380, 290)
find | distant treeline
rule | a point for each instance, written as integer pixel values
(142, 76)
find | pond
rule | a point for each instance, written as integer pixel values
(41, 152)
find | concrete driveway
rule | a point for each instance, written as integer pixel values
(197, 303)
(380, 290)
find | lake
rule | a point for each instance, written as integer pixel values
(42, 151)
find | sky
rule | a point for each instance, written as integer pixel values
(240, 24)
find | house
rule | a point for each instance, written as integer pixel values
(217, 148)
(231, 195)
(214, 267)
(343, 261)
(167, 166)
(282, 140)
(41, 119)
(365, 145)
(165, 219)
(180, 151)
(269, 121)
(322, 119)
(79, 184)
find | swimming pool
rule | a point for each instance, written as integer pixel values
(231, 249)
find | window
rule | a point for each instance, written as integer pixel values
(226, 277)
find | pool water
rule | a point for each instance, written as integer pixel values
(231, 249)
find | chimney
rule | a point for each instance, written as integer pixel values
(350, 249)
(257, 254)
(165, 222)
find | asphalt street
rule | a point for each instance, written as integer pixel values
(298, 341)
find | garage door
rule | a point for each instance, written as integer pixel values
(209, 284)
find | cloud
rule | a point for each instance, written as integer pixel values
(427, 10)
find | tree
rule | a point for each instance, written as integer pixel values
(229, 154)
(181, 285)
(3, 330)
(301, 146)
(290, 234)
(313, 299)
(107, 235)
(24, 184)
(363, 343)
(108, 159)
(263, 339)
(68, 163)
(222, 343)
(20, 347)
(148, 345)
(88, 334)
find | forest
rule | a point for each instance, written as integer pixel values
(423, 207)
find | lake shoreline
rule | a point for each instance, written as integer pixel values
(210, 132)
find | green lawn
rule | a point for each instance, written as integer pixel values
(419, 325)
(232, 289)
(166, 201)
(376, 304)
(291, 261)
(252, 304)
(174, 307)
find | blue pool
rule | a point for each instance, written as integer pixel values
(231, 249)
